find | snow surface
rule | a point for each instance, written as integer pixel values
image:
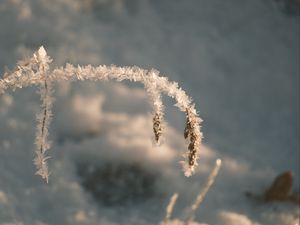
(238, 59)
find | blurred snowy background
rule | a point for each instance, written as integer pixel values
(238, 59)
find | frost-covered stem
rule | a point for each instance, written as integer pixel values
(42, 143)
(31, 72)
(169, 209)
(202, 193)
(151, 80)
(43, 119)
(157, 104)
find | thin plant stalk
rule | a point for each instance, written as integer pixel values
(169, 209)
(200, 197)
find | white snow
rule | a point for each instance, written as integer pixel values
(238, 59)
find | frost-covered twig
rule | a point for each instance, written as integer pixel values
(157, 104)
(35, 72)
(202, 193)
(43, 119)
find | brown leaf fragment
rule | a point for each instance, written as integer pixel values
(280, 189)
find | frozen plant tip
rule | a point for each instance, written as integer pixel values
(192, 131)
(35, 71)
